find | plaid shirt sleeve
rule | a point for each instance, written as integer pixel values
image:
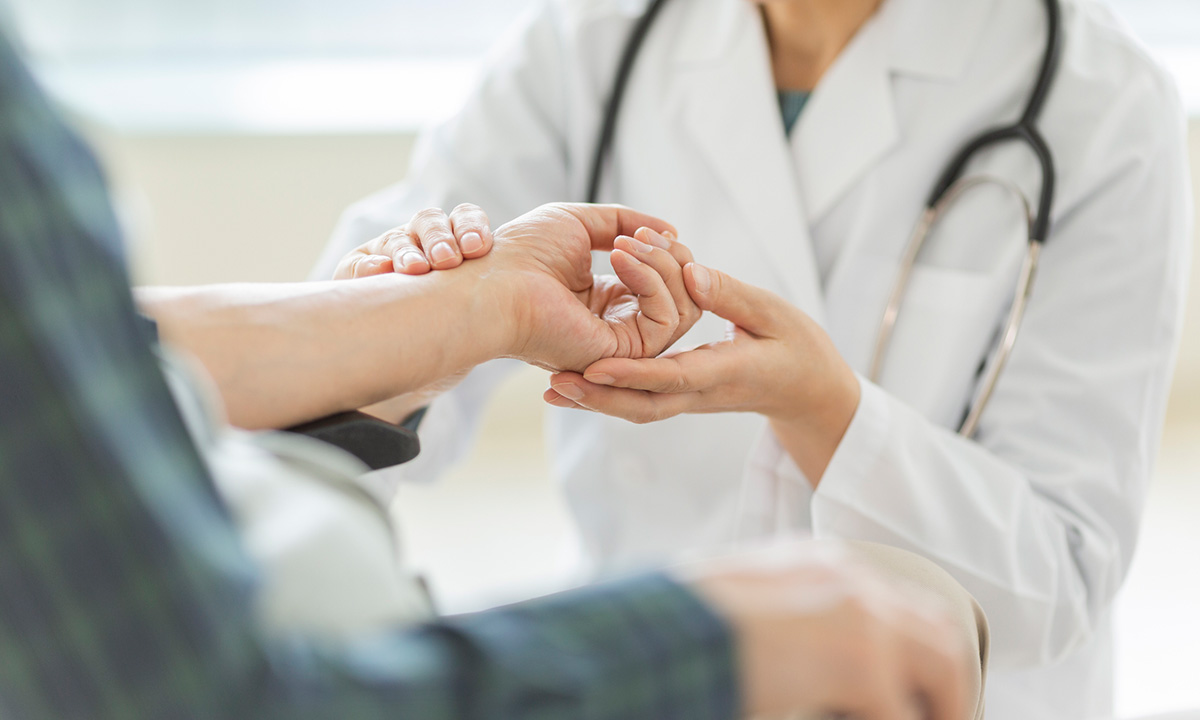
(124, 591)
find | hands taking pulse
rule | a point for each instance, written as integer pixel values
(563, 317)
(605, 343)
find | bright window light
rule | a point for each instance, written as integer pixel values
(77, 30)
(335, 66)
(1163, 23)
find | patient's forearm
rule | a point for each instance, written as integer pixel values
(282, 354)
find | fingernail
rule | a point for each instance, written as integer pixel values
(411, 258)
(569, 391)
(702, 277)
(600, 379)
(471, 242)
(658, 241)
(442, 252)
(560, 401)
(670, 236)
(640, 247)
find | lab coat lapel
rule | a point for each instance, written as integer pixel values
(849, 123)
(731, 112)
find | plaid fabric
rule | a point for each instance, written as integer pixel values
(124, 591)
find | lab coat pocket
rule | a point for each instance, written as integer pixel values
(944, 333)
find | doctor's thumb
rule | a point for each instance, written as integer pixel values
(750, 308)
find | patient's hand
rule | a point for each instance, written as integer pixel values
(563, 316)
(432, 240)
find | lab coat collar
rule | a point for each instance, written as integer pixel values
(850, 123)
(730, 110)
(924, 38)
(933, 38)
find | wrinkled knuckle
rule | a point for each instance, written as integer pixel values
(397, 238)
(429, 216)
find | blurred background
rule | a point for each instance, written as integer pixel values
(236, 131)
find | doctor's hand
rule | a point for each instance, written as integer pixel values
(432, 240)
(776, 362)
(564, 317)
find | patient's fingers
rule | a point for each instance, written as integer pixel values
(471, 228)
(652, 248)
(667, 241)
(605, 223)
(936, 659)
(657, 317)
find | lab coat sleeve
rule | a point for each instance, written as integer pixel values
(506, 151)
(1038, 516)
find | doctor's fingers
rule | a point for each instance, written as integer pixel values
(569, 390)
(361, 262)
(636, 406)
(471, 228)
(698, 370)
(435, 241)
(402, 248)
(605, 223)
(432, 232)
(751, 308)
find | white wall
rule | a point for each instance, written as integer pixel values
(224, 209)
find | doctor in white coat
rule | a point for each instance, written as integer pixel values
(1037, 515)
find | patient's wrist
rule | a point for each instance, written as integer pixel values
(485, 309)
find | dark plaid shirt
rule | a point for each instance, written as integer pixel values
(124, 590)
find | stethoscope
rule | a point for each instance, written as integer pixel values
(950, 188)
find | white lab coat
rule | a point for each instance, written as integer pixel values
(1038, 517)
